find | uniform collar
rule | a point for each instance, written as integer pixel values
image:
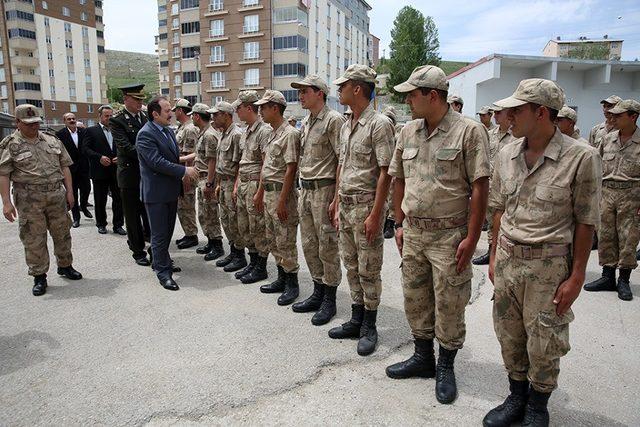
(636, 135)
(231, 127)
(552, 151)
(255, 125)
(445, 122)
(366, 115)
(321, 113)
(207, 127)
(282, 127)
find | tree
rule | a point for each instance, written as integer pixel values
(414, 42)
(589, 51)
(114, 94)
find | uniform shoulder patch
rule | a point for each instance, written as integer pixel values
(5, 142)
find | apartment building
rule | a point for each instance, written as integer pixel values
(208, 50)
(559, 48)
(52, 56)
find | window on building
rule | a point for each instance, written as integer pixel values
(176, 66)
(100, 50)
(46, 21)
(191, 27)
(247, 3)
(251, 24)
(164, 91)
(217, 28)
(162, 8)
(45, 6)
(87, 78)
(178, 92)
(190, 52)
(65, 11)
(290, 42)
(84, 16)
(189, 4)
(217, 79)
(164, 64)
(175, 8)
(89, 94)
(50, 56)
(176, 37)
(252, 77)
(217, 99)
(289, 14)
(175, 23)
(176, 51)
(85, 32)
(26, 86)
(177, 79)
(73, 108)
(21, 33)
(217, 54)
(215, 5)
(252, 50)
(87, 63)
(72, 91)
(69, 59)
(72, 76)
(68, 44)
(289, 70)
(193, 99)
(47, 39)
(67, 27)
(190, 77)
(53, 106)
(162, 23)
(290, 95)
(86, 47)
(19, 14)
(51, 73)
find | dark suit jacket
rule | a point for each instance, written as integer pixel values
(96, 146)
(80, 162)
(160, 169)
(125, 129)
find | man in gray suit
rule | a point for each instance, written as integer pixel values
(161, 176)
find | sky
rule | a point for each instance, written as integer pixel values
(468, 30)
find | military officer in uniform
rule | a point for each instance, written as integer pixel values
(485, 115)
(566, 122)
(125, 126)
(601, 129)
(441, 170)
(319, 152)
(366, 146)
(544, 191)
(38, 166)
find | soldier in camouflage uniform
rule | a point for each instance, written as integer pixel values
(620, 206)
(545, 191)
(251, 231)
(601, 129)
(366, 145)
(456, 103)
(485, 114)
(38, 165)
(566, 122)
(388, 230)
(187, 137)
(441, 168)
(280, 195)
(205, 163)
(226, 172)
(319, 152)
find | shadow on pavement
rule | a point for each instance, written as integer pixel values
(24, 350)
(86, 288)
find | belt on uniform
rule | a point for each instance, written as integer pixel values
(316, 184)
(542, 251)
(435, 223)
(38, 187)
(609, 183)
(272, 186)
(226, 177)
(250, 177)
(354, 199)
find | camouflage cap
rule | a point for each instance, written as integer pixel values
(485, 109)
(613, 100)
(312, 80)
(248, 96)
(272, 96)
(235, 104)
(428, 76)
(455, 98)
(568, 113)
(28, 114)
(199, 108)
(390, 112)
(535, 91)
(357, 72)
(495, 108)
(213, 110)
(627, 105)
(224, 107)
(181, 102)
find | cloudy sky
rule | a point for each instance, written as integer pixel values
(468, 29)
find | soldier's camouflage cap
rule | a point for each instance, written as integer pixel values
(199, 108)
(181, 102)
(626, 105)
(613, 100)
(486, 109)
(455, 98)
(568, 113)
(357, 72)
(272, 96)
(28, 114)
(248, 96)
(535, 91)
(390, 112)
(235, 104)
(312, 80)
(427, 76)
(224, 107)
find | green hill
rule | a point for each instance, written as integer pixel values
(131, 67)
(452, 66)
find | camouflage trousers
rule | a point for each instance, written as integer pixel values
(390, 212)
(435, 294)
(208, 213)
(187, 212)
(532, 336)
(362, 260)
(251, 231)
(619, 230)
(228, 216)
(282, 236)
(319, 237)
(39, 212)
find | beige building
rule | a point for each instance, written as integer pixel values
(561, 48)
(52, 56)
(210, 49)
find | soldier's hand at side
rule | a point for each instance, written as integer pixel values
(371, 227)
(400, 239)
(332, 211)
(234, 195)
(217, 193)
(566, 294)
(464, 254)
(492, 266)
(283, 215)
(191, 172)
(9, 212)
(70, 200)
(258, 203)
(105, 161)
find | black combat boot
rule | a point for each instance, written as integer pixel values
(313, 302)
(188, 242)
(624, 289)
(291, 289)
(206, 248)
(368, 333)
(482, 259)
(253, 257)
(446, 389)
(258, 273)
(39, 285)
(327, 308)
(226, 260)
(606, 283)
(536, 413)
(277, 285)
(70, 273)
(422, 364)
(239, 261)
(512, 409)
(389, 230)
(177, 240)
(350, 329)
(216, 250)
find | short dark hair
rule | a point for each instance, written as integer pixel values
(251, 105)
(104, 107)
(367, 88)
(154, 105)
(442, 94)
(204, 116)
(632, 113)
(185, 110)
(553, 114)
(281, 107)
(317, 89)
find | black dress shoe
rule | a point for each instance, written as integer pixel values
(87, 213)
(102, 230)
(70, 273)
(76, 223)
(175, 269)
(119, 230)
(39, 285)
(143, 261)
(169, 284)
(188, 242)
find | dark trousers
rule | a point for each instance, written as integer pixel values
(162, 219)
(135, 218)
(81, 185)
(101, 189)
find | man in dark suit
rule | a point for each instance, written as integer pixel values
(161, 177)
(125, 126)
(100, 148)
(73, 139)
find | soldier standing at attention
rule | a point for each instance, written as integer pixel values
(456, 103)
(366, 146)
(187, 137)
(441, 170)
(319, 153)
(280, 203)
(485, 115)
(566, 122)
(545, 191)
(620, 206)
(38, 166)
(601, 129)
(251, 231)
(388, 230)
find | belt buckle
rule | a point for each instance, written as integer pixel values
(527, 253)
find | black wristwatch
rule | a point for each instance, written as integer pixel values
(397, 225)
(209, 184)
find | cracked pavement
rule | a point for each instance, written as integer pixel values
(117, 349)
